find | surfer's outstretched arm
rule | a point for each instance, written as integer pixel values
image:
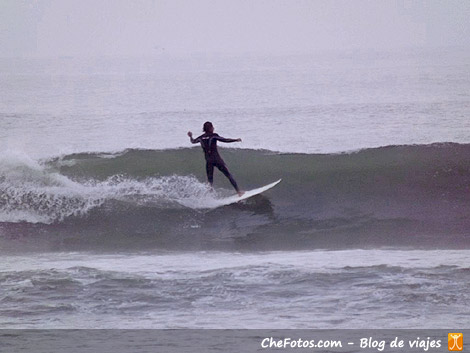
(196, 140)
(223, 139)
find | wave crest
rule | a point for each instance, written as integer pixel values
(396, 195)
(32, 192)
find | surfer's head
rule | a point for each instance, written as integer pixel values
(208, 127)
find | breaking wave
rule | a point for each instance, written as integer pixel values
(386, 196)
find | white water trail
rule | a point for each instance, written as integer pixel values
(30, 192)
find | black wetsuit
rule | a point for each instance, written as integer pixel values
(213, 159)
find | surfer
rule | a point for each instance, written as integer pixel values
(208, 141)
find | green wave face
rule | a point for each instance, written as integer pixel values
(390, 196)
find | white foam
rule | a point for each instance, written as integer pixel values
(31, 192)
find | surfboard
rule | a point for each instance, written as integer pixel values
(235, 198)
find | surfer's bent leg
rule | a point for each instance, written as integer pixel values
(210, 172)
(224, 170)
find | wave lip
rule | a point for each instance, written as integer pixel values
(32, 193)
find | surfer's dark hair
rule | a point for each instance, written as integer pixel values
(207, 127)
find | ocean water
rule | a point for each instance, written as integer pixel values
(262, 290)
(105, 218)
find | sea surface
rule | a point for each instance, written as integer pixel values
(105, 216)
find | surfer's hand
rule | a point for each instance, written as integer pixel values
(190, 134)
(239, 140)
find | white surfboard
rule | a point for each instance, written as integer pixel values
(235, 198)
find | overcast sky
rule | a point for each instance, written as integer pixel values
(148, 27)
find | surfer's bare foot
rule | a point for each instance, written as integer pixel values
(240, 193)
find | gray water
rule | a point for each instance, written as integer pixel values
(304, 289)
(325, 103)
